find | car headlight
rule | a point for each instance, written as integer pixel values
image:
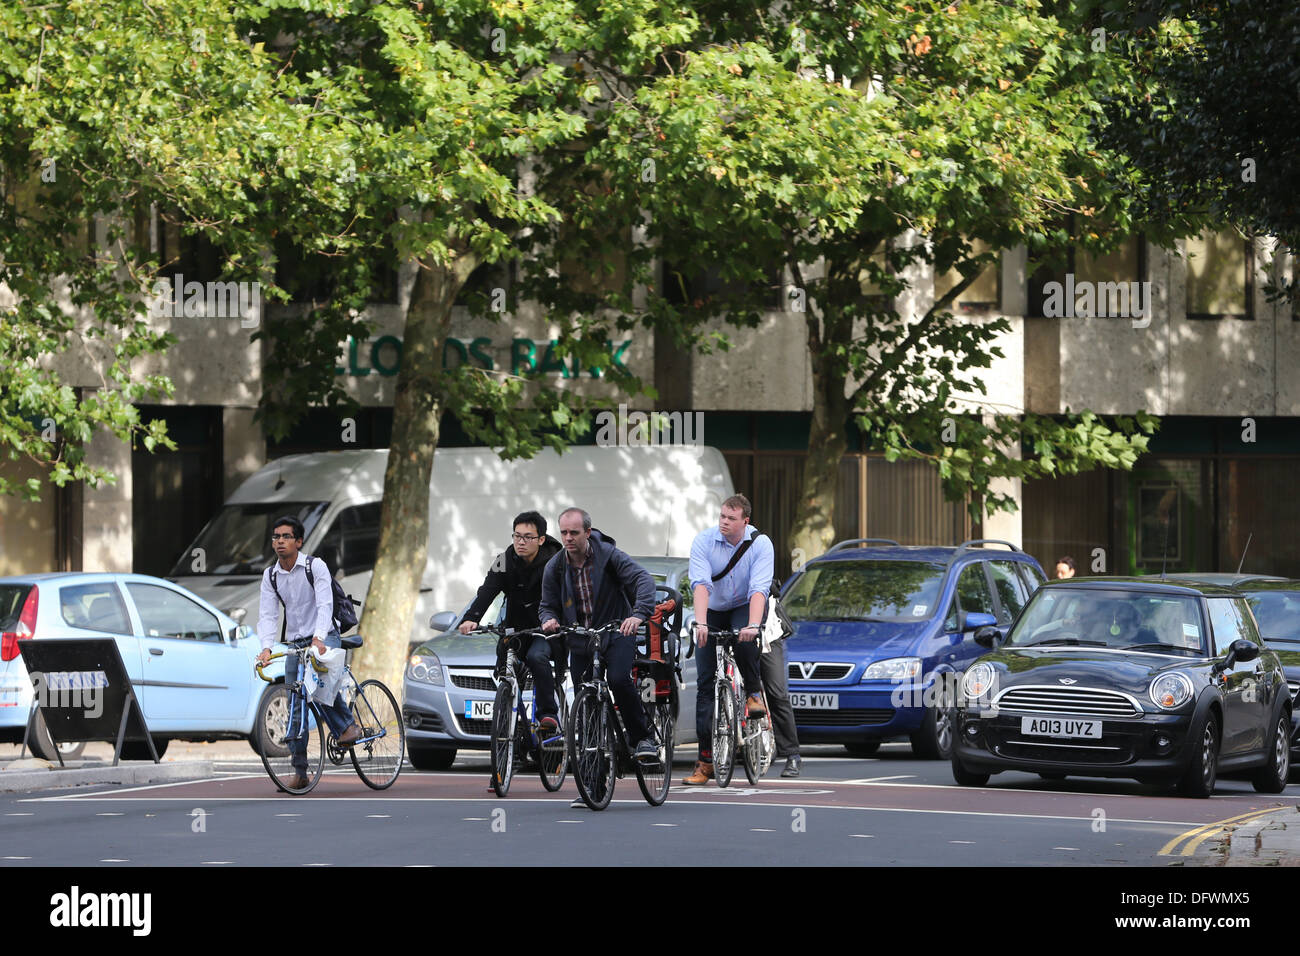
(425, 668)
(896, 668)
(1171, 690)
(978, 682)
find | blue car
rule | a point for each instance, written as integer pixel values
(882, 633)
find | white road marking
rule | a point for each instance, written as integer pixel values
(663, 824)
(379, 816)
(1074, 848)
(474, 819)
(17, 858)
(573, 821)
(114, 861)
(20, 814)
(863, 836)
(110, 814)
(217, 862)
(899, 776)
(288, 814)
(964, 842)
(318, 864)
(760, 830)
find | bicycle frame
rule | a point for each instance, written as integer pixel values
(297, 693)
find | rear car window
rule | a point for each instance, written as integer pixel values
(865, 590)
(12, 597)
(94, 607)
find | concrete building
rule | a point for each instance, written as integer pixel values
(1209, 354)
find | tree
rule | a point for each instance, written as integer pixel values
(962, 128)
(1209, 121)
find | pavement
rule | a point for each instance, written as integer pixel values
(183, 761)
(1269, 838)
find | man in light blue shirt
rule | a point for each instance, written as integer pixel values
(734, 600)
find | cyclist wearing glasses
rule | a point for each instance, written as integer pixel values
(517, 572)
(308, 609)
(730, 590)
(592, 583)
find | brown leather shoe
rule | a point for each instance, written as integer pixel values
(296, 783)
(350, 736)
(702, 775)
(755, 708)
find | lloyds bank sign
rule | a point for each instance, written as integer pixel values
(383, 356)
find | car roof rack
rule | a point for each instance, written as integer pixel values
(970, 545)
(854, 542)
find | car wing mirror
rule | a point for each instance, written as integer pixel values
(443, 620)
(986, 636)
(974, 620)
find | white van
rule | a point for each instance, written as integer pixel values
(652, 500)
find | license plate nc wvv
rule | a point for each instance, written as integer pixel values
(1060, 727)
(478, 709)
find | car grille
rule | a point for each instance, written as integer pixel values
(473, 681)
(1066, 753)
(820, 671)
(846, 717)
(422, 720)
(481, 728)
(1067, 700)
(1295, 689)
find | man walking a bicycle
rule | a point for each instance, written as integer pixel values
(591, 583)
(308, 610)
(517, 572)
(731, 572)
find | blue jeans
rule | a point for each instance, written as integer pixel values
(337, 714)
(706, 667)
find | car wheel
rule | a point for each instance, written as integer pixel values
(272, 710)
(43, 746)
(139, 750)
(934, 740)
(1272, 777)
(964, 777)
(1198, 779)
(430, 758)
(865, 748)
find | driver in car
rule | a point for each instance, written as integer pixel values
(1125, 628)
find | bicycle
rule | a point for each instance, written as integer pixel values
(376, 755)
(599, 750)
(733, 729)
(515, 736)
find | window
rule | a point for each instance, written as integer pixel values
(865, 590)
(1011, 590)
(165, 613)
(1228, 624)
(982, 295)
(1125, 264)
(352, 542)
(96, 607)
(1032, 578)
(1220, 276)
(973, 590)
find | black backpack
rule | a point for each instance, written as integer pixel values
(345, 614)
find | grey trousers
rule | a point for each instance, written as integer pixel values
(776, 685)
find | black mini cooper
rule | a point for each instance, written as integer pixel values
(1127, 677)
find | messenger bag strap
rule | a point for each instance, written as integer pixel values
(740, 552)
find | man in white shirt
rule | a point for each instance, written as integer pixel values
(308, 610)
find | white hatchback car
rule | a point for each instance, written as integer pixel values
(190, 665)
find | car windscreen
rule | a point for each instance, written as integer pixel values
(1118, 619)
(238, 539)
(1278, 615)
(865, 591)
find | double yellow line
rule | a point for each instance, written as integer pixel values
(1198, 836)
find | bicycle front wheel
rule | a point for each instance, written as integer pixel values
(591, 748)
(552, 752)
(724, 733)
(655, 776)
(503, 738)
(377, 755)
(752, 751)
(274, 723)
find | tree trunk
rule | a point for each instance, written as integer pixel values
(389, 613)
(813, 531)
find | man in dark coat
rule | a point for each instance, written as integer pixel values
(517, 572)
(592, 583)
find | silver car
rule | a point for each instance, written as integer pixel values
(449, 687)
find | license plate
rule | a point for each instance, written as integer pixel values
(805, 701)
(478, 709)
(1060, 727)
